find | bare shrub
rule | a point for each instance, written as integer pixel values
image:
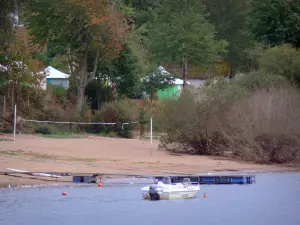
(189, 121)
(265, 126)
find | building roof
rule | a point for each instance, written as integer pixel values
(176, 81)
(53, 73)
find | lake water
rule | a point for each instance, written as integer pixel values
(273, 200)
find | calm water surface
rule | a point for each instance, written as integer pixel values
(273, 200)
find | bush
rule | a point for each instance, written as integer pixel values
(46, 129)
(192, 121)
(283, 60)
(7, 130)
(58, 91)
(265, 126)
(260, 79)
(119, 112)
(151, 109)
(257, 120)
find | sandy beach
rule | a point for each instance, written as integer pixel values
(101, 155)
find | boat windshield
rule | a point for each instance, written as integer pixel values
(167, 180)
(186, 181)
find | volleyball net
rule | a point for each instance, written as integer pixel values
(51, 127)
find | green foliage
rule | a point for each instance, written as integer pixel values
(145, 4)
(160, 79)
(138, 49)
(194, 128)
(253, 54)
(230, 20)
(255, 117)
(97, 92)
(125, 74)
(260, 79)
(143, 117)
(55, 56)
(60, 131)
(58, 92)
(276, 22)
(46, 129)
(89, 32)
(282, 60)
(18, 67)
(181, 33)
(123, 111)
(43, 25)
(7, 7)
(8, 130)
(143, 11)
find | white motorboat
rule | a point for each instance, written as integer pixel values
(167, 190)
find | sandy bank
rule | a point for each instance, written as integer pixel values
(102, 155)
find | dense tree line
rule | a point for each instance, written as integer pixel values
(113, 48)
(124, 40)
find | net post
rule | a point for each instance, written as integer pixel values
(15, 122)
(151, 130)
(4, 106)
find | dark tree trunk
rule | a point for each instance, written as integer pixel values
(82, 82)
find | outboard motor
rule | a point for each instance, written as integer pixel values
(153, 193)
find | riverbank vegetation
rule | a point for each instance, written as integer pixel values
(248, 106)
(259, 124)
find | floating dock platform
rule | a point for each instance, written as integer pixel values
(203, 179)
(97, 177)
(214, 179)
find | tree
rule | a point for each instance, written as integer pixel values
(86, 30)
(124, 72)
(158, 80)
(17, 70)
(7, 8)
(181, 33)
(230, 18)
(276, 22)
(144, 11)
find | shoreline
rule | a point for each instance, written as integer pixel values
(110, 180)
(94, 154)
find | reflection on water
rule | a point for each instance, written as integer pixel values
(273, 200)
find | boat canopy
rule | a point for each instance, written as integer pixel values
(186, 181)
(167, 180)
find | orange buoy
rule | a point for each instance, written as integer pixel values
(100, 184)
(64, 193)
(205, 195)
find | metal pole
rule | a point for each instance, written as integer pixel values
(15, 123)
(4, 106)
(151, 130)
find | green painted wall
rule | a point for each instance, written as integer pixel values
(58, 82)
(170, 92)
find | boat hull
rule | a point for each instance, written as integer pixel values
(172, 194)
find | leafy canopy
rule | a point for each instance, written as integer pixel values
(181, 33)
(77, 25)
(160, 79)
(124, 72)
(276, 22)
(230, 18)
